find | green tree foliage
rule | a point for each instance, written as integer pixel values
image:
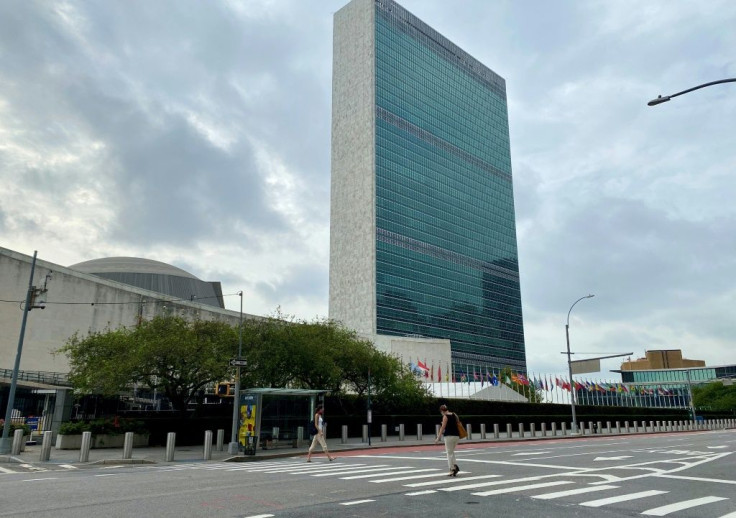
(715, 396)
(175, 356)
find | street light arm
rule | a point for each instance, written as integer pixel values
(573, 305)
(663, 99)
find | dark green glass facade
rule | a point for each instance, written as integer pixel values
(446, 254)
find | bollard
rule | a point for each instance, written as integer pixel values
(437, 431)
(564, 428)
(599, 427)
(626, 427)
(128, 445)
(651, 425)
(608, 427)
(17, 442)
(344, 434)
(419, 432)
(401, 432)
(482, 431)
(544, 429)
(509, 434)
(521, 430)
(496, 433)
(220, 440)
(208, 445)
(533, 429)
(554, 429)
(469, 429)
(170, 445)
(384, 432)
(86, 443)
(299, 436)
(46, 445)
(365, 433)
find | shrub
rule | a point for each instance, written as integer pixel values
(106, 426)
(16, 426)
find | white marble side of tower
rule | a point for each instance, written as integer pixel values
(352, 197)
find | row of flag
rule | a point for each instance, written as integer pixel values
(547, 383)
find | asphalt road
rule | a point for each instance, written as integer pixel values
(678, 474)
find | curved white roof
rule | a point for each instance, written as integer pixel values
(129, 265)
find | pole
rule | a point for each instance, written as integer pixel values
(5, 443)
(232, 448)
(370, 411)
(690, 394)
(569, 367)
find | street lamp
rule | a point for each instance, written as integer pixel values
(660, 99)
(569, 365)
(232, 448)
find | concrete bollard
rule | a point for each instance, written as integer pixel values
(554, 429)
(170, 445)
(509, 433)
(344, 434)
(564, 428)
(469, 429)
(86, 443)
(401, 432)
(496, 432)
(626, 427)
(17, 442)
(437, 431)
(46, 446)
(220, 440)
(482, 431)
(533, 429)
(365, 433)
(608, 426)
(599, 427)
(384, 432)
(618, 427)
(299, 436)
(419, 432)
(544, 429)
(651, 426)
(208, 445)
(128, 445)
(521, 430)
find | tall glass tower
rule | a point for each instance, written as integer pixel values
(423, 234)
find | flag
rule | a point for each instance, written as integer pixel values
(431, 373)
(423, 367)
(494, 381)
(439, 372)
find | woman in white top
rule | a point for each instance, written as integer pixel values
(320, 436)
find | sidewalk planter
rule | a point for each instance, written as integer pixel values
(74, 442)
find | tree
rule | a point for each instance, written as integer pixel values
(169, 354)
(715, 396)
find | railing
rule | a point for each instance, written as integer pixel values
(48, 378)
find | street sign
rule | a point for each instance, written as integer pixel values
(238, 363)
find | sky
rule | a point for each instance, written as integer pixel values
(198, 134)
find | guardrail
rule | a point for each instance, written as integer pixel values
(49, 378)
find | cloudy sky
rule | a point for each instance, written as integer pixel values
(198, 134)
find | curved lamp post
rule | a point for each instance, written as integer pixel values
(233, 447)
(569, 365)
(660, 99)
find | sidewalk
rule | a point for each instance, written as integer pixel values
(157, 454)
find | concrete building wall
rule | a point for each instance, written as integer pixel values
(70, 310)
(661, 359)
(352, 205)
(434, 351)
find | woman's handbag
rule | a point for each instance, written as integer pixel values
(461, 432)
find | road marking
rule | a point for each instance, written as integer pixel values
(107, 475)
(496, 483)
(716, 447)
(453, 480)
(729, 515)
(426, 475)
(571, 492)
(5, 470)
(685, 504)
(622, 498)
(38, 479)
(522, 488)
(364, 470)
(259, 516)
(357, 502)
(530, 453)
(418, 493)
(622, 457)
(67, 466)
(406, 471)
(698, 479)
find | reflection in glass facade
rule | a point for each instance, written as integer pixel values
(446, 255)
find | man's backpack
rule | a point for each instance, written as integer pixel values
(312, 429)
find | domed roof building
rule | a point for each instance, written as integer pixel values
(154, 276)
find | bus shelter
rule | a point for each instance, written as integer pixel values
(272, 417)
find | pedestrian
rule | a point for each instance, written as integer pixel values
(452, 436)
(319, 437)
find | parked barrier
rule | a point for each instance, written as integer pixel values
(46, 446)
(170, 445)
(84, 449)
(220, 440)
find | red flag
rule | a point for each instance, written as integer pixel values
(439, 372)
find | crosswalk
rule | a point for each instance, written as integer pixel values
(32, 468)
(422, 481)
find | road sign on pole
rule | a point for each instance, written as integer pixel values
(238, 363)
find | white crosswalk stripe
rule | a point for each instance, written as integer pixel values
(412, 477)
(522, 488)
(380, 467)
(623, 498)
(451, 481)
(572, 492)
(686, 504)
(371, 475)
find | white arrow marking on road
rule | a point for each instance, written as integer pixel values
(716, 447)
(622, 457)
(531, 453)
